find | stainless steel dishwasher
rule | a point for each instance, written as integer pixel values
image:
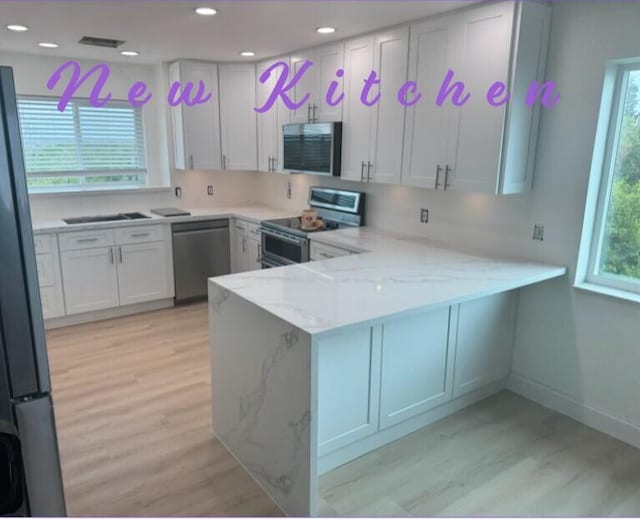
(200, 250)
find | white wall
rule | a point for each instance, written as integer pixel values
(578, 352)
(31, 73)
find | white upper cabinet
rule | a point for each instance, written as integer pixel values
(238, 117)
(387, 128)
(196, 129)
(427, 125)
(476, 147)
(373, 135)
(270, 123)
(358, 56)
(327, 60)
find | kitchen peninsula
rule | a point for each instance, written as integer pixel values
(316, 364)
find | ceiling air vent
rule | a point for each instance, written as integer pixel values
(101, 42)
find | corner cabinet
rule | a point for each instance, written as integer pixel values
(196, 129)
(476, 147)
(237, 116)
(379, 383)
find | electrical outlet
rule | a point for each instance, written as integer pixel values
(178, 192)
(289, 190)
(210, 190)
(538, 232)
(424, 215)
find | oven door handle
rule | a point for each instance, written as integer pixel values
(279, 236)
(267, 263)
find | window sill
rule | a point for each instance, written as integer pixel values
(75, 191)
(608, 291)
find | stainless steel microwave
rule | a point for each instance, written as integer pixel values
(313, 148)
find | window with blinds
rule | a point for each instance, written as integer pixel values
(83, 146)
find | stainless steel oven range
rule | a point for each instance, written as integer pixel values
(284, 242)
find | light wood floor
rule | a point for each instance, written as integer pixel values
(132, 409)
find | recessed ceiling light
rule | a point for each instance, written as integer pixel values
(325, 30)
(129, 53)
(48, 45)
(247, 53)
(206, 11)
(17, 28)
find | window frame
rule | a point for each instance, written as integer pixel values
(84, 174)
(618, 72)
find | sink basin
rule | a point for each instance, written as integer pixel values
(105, 218)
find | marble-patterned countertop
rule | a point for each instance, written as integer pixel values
(255, 213)
(393, 275)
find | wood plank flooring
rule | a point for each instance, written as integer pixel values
(132, 401)
(504, 456)
(132, 409)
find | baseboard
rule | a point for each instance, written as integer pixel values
(109, 313)
(572, 408)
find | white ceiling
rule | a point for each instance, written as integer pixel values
(167, 30)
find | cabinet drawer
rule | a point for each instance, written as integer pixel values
(86, 239)
(252, 230)
(320, 251)
(42, 243)
(240, 226)
(139, 234)
(44, 263)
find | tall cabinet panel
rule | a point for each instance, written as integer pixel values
(238, 117)
(196, 129)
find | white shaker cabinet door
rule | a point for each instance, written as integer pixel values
(196, 129)
(90, 280)
(427, 125)
(483, 51)
(238, 117)
(253, 254)
(416, 371)
(328, 60)
(306, 85)
(143, 272)
(348, 385)
(484, 342)
(387, 129)
(357, 116)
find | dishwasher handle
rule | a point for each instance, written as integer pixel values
(200, 226)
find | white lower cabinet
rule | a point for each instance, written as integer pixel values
(348, 388)
(416, 374)
(320, 251)
(379, 383)
(484, 353)
(143, 272)
(90, 279)
(49, 277)
(245, 246)
(108, 268)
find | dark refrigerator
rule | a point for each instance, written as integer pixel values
(30, 479)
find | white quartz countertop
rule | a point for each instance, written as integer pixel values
(397, 275)
(254, 213)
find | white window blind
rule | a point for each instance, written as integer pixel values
(83, 144)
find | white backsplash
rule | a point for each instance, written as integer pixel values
(502, 224)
